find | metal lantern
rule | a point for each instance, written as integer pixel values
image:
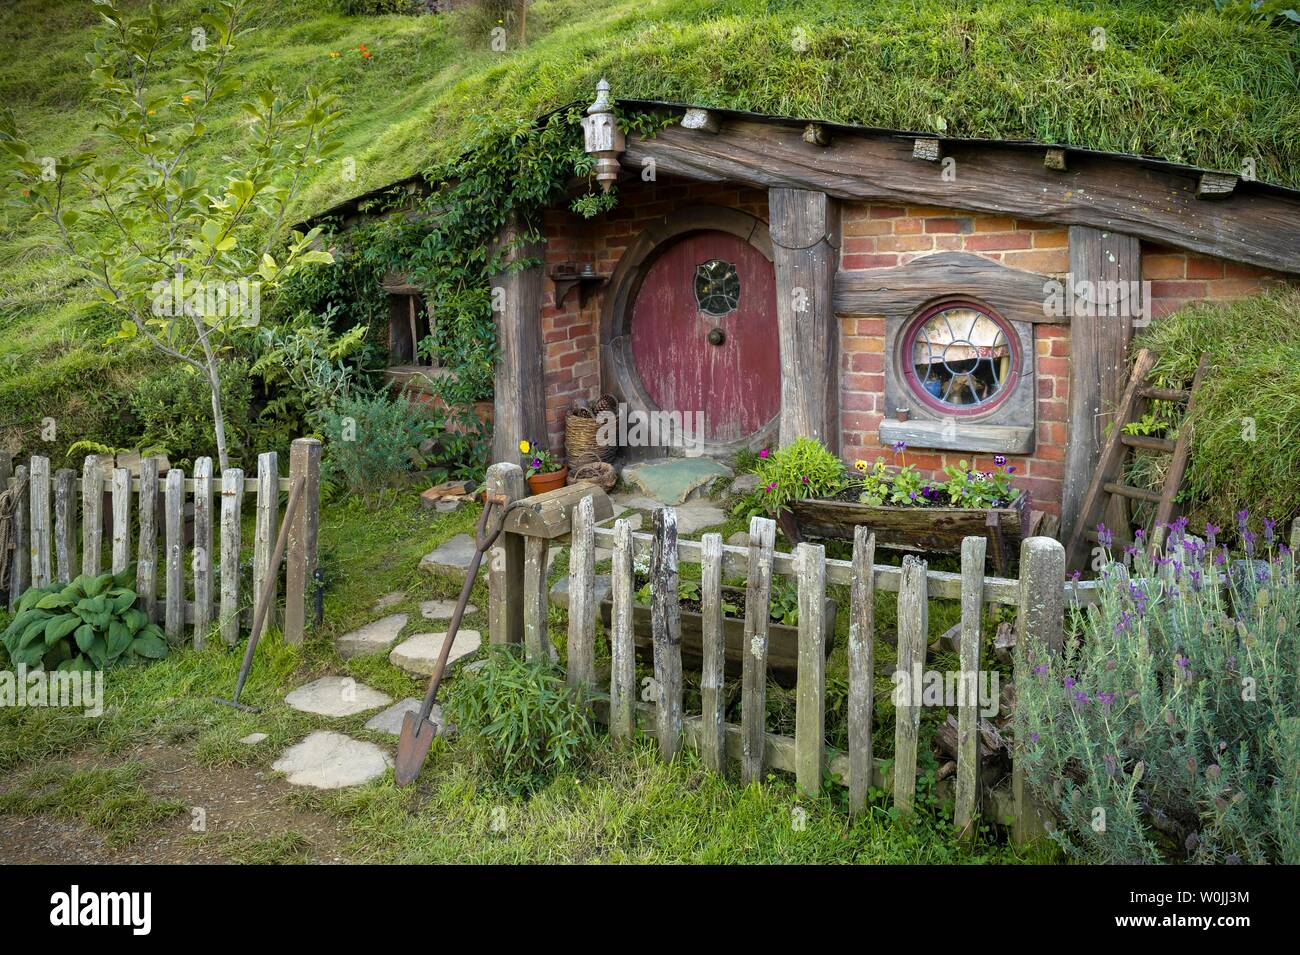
(604, 139)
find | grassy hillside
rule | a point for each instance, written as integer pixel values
(1176, 80)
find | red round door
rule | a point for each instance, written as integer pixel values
(704, 334)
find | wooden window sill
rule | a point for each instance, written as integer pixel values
(942, 436)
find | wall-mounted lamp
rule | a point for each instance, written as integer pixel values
(603, 138)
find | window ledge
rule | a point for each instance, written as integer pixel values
(944, 436)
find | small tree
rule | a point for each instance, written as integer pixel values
(181, 251)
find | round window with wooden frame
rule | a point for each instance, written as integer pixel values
(960, 358)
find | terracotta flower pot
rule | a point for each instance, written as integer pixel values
(541, 483)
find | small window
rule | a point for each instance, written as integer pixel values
(410, 322)
(717, 287)
(960, 358)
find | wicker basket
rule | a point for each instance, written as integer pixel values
(580, 430)
(597, 472)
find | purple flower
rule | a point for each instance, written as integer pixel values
(1076, 576)
(1080, 697)
(804, 479)
(1249, 538)
(537, 462)
(1242, 518)
(1041, 668)
(1269, 525)
(1069, 683)
(1106, 699)
(1000, 460)
(1211, 533)
(764, 453)
(1012, 469)
(1182, 662)
(912, 495)
(1104, 536)
(1033, 737)
(900, 446)
(772, 486)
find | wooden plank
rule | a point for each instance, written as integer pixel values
(1163, 445)
(519, 401)
(65, 524)
(1256, 225)
(622, 675)
(92, 516)
(1154, 393)
(861, 659)
(926, 529)
(1135, 493)
(20, 561)
(1178, 463)
(300, 560)
(753, 693)
(537, 641)
(1039, 626)
(582, 599)
(121, 498)
(146, 567)
(265, 528)
(805, 248)
(550, 515)
(1295, 540)
(174, 537)
(666, 621)
(913, 630)
(6, 469)
(966, 811)
(810, 694)
(232, 499)
(506, 562)
(713, 740)
(201, 557)
(38, 497)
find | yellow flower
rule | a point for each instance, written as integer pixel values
(185, 99)
(524, 447)
(860, 465)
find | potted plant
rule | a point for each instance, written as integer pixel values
(541, 469)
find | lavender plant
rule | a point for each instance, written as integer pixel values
(1168, 728)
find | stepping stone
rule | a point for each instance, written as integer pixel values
(443, 609)
(252, 739)
(672, 480)
(744, 483)
(371, 638)
(560, 592)
(388, 601)
(328, 760)
(694, 516)
(739, 539)
(419, 653)
(451, 557)
(636, 502)
(448, 505)
(390, 721)
(336, 696)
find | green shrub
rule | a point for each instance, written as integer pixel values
(89, 624)
(371, 441)
(801, 469)
(374, 8)
(1169, 727)
(174, 412)
(521, 720)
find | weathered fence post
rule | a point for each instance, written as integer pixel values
(232, 499)
(966, 811)
(913, 627)
(174, 535)
(265, 529)
(92, 517)
(810, 703)
(121, 498)
(300, 563)
(582, 597)
(201, 558)
(20, 564)
(622, 670)
(506, 562)
(38, 495)
(146, 568)
(1042, 618)
(666, 626)
(862, 634)
(65, 523)
(713, 732)
(753, 692)
(537, 643)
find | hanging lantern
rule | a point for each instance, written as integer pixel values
(603, 138)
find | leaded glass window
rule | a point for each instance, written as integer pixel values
(717, 287)
(961, 357)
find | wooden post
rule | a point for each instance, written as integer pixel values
(300, 564)
(913, 628)
(20, 565)
(92, 517)
(622, 671)
(519, 403)
(713, 733)
(862, 662)
(966, 812)
(1041, 621)
(506, 566)
(537, 641)
(810, 693)
(38, 496)
(174, 536)
(146, 568)
(6, 469)
(1098, 352)
(805, 244)
(202, 555)
(1295, 540)
(121, 497)
(65, 523)
(666, 625)
(753, 677)
(232, 499)
(582, 598)
(265, 529)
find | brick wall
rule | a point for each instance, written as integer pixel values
(1179, 277)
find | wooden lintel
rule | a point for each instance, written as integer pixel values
(1212, 185)
(550, 515)
(701, 120)
(815, 134)
(1054, 159)
(927, 149)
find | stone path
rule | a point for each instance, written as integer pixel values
(419, 653)
(390, 721)
(329, 760)
(673, 480)
(443, 609)
(373, 637)
(336, 696)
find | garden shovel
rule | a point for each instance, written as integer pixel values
(417, 732)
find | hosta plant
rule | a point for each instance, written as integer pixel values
(89, 624)
(1168, 728)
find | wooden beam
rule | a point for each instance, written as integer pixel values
(519, 399)
(805, 240)
(1159, 204)
(550, 515)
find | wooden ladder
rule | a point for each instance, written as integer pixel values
(1106, 480)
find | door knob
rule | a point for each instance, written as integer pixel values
(717, 336)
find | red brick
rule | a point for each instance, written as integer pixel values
(1164, 266)
(1201, 267)
(886, 212)
(997, 241)
(962, 225)
(868, 261)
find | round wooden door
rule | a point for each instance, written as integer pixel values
(704, 334)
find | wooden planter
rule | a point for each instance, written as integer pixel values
(933, 529)
(782, 641)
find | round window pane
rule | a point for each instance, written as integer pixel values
(961, 358)
(717, 287)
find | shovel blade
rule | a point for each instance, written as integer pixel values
(412, 748)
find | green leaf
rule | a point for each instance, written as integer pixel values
(59, 627)
(119, 639)
(134, 619)
(150, 646)
(54, 602)
(84, 636)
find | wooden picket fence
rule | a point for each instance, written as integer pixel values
(47, 543)
(518, 612)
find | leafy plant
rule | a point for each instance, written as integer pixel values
(968, 487)
(371, 441)
(169, 410)
(537, 460)
(89, 624)
(802, 469)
